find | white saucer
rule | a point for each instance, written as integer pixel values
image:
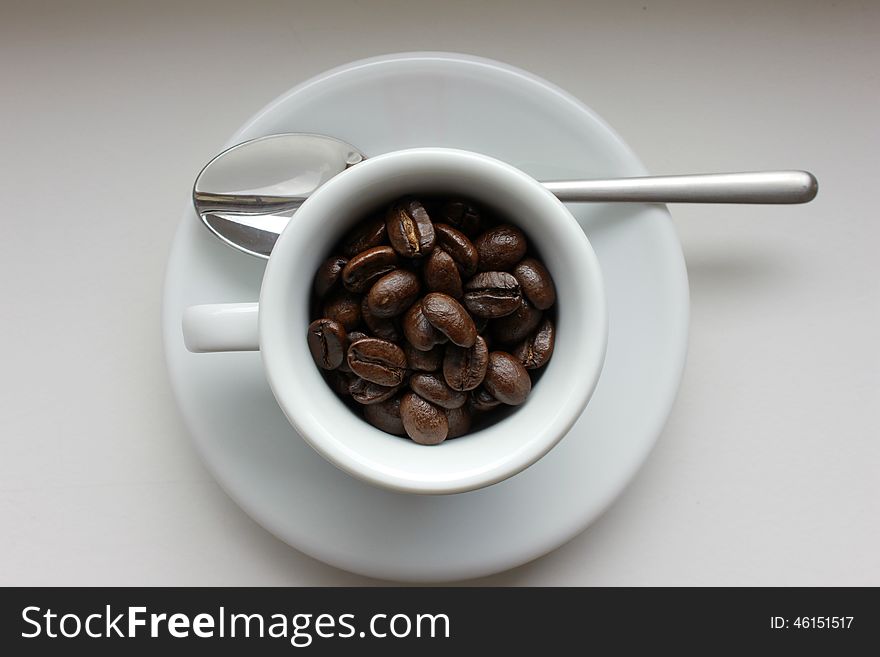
(431, 99)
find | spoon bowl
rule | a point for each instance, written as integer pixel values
(247, 193)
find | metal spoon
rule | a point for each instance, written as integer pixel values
(247, 194)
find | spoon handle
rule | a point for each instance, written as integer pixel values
(750, 187)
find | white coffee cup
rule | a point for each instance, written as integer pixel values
(277, 325)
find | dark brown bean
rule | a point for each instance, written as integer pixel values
(425, 423)
(434, 389)
(441, 274)
(367, 267)
(516, 326)
(481, 400)
(500, 248)
(479, 289)
(364, 236)
(492, 294)
(378, 361)
(450, 318)
(344, 307)
(393, 293)
(459, 421)
(366, 392)
(464, 369)
(463, 215)
(380, 327)
(536, 283)
(506, 379)
(419, 331)
(328, 275)
(385, 415)
(423, 361)
(535, 351)
(328, 343)
(457, 245)
(353, 336)
(410, 229)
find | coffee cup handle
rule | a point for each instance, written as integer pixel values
(221, 327)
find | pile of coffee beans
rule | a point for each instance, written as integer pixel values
(430, 312)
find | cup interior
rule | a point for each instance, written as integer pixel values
(492, 452)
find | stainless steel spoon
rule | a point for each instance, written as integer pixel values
(247, 194)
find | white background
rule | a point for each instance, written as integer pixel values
(767, 471)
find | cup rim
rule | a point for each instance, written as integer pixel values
(282, 346)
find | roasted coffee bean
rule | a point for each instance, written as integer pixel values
(353, 336)
(328, 275)
(366, 392)
(424, 422)
(339, 381)
(423, 361)
(434, 389)
(425, 367)
(386, 416)
(344, 307)
(328, 343)
(378, 361)
(492, 294)
(367, 267)
(410, 229)
(441, 274)
(365, 236)
(500, 248)
(393, 293)
(459, 421)
(457, 245)
(462, 215)
(450, 318)
(380, 327)
(481, 401)
(419, 331)
(464, 369)
(535, 351)
(517, 325)
(506, 379)
(535, 282)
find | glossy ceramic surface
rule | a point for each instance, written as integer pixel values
(413, 100)
(483, 457)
